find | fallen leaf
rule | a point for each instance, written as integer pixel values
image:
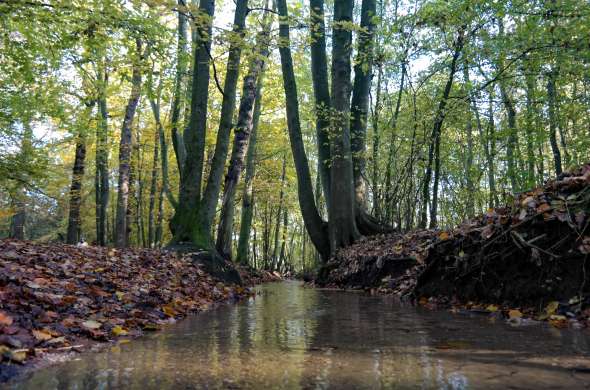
(551, 307)
(5, 319)
(119, 331)
(169, 311)
(91, 324)
(41, 335)
(514, 314)
(558, 321)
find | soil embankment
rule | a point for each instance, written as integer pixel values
(531, 253)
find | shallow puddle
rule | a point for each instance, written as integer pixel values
(298, 338)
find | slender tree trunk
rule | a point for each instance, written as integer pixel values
(121, 227)
(389, 166)
(530, 130)
(102, 155)
(511, 116)
(491, 139)
(553, 121)
(241, 139)
(359, 109)
(511, 141)
(275, 256)
(19, 196)
(153, 189)
(376, 145)
(247, 195)
(470, 187)
(434, 149)
(311, 217)
(74, 229)
(181, 65)
(321, 88)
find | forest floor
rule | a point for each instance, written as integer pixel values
(526, 261)
(58, 299)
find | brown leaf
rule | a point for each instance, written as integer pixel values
(41, 335)
(5, 319)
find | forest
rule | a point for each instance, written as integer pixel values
(274, 134)
(159, 158)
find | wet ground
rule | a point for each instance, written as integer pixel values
(298, 338)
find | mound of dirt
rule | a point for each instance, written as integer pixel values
(530, 252)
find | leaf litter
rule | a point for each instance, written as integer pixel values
(56, 297)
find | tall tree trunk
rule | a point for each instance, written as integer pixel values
(275, 255)
(241, 139)
(434, 149)
(491, 139)
(73, 232)
(125, 151)
(181, 65)
(211, 195)
(530, 128)
(247, 195)
(390, 153)
(376, 145)
(511, 116)
(311, 217)
(183, 223)
(101, 181)
(363, 72)
(153, 189)
(470, 187)
(342, 226)
(19, 196)
(553, 121)
(321, 88)
(511, 141)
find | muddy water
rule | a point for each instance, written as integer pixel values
(293, 337)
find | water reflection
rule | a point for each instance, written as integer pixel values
(292, 337)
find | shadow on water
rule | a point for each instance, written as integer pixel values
(294, 337)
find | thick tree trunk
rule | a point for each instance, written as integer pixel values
(241, 139)
(121, 227)
(341, 213)
(321, 88)
(185, 228)
(248, 195)
(211, 195)
(311, 217)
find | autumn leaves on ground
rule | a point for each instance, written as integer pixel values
(61, 298)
